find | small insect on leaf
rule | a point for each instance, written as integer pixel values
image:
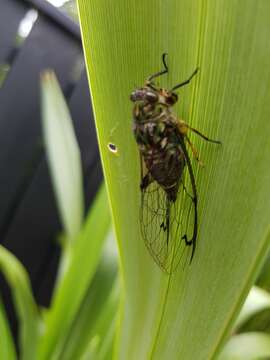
(168, 213)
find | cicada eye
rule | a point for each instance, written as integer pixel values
(137, 95)
(134, 95)
(172, 99)
(151, 97)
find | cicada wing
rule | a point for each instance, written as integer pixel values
(153, 223)
(168, 227)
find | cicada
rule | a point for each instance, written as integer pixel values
(169, 199)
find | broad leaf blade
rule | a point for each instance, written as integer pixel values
(230, 101)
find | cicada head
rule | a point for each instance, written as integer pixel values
(145, 94)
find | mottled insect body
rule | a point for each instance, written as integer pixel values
(159, 145)
(169, 197)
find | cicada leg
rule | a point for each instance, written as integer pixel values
(146, 181)
(146, 177)
(194, 151)
(183, 128)
(203, 136)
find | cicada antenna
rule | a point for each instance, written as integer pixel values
(150, 78)
(186, 81)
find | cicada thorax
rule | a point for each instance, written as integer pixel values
(158, 140)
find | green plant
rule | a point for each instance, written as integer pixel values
(84, 275)
(250, 338)
(190, 314)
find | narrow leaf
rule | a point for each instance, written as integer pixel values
(7, 348)
(63, 154)
(29, 321)
(263, 280)
(99, 306)
(257, 301)
(250, 346)
(81, 259)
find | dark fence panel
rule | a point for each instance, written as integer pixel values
(11, 13)
(20, 128)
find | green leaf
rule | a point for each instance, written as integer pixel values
(106, 324)
(101, 345)
(81, 260)
(263, 279)
(99, 307)
(250, 346)
(258, 300)
(63, 154)
(30, 322)
(187, 315)
(7, 348)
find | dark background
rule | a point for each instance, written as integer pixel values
(29, 222)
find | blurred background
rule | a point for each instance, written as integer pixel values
(37, 35)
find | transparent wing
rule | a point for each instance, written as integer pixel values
(169, 229)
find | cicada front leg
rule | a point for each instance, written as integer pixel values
(183, 128)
